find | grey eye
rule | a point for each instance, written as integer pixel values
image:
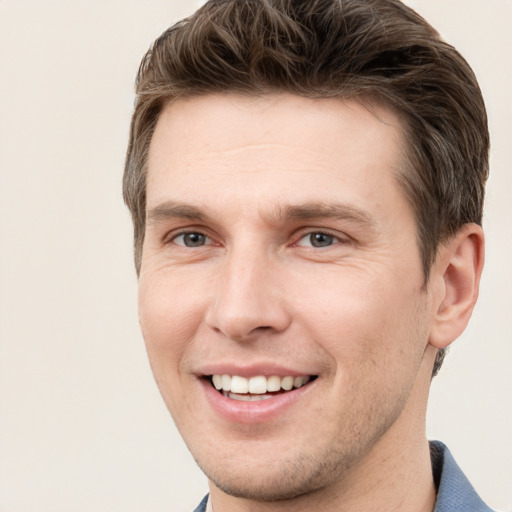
(191, 239)
(318, 239)
(321, 239)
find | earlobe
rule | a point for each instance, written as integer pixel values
(456, 276)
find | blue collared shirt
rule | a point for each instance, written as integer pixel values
(454, 492)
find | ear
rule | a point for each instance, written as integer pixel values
(455, 280)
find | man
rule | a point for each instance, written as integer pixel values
(306, 181)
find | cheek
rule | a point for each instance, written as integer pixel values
(168, 323)
(168, 318)
(368, 324)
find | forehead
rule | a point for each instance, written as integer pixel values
(232, 146)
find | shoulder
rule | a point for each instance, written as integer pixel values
(454, 491)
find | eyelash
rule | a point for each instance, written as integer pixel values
(335, 239)
(174, 236)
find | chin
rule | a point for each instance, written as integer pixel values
(277, 479)
(282, 485)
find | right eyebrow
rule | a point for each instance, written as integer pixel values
(173, 210)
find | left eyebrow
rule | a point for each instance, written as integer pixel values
(338, 211)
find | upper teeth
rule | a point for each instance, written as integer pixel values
(257, 385)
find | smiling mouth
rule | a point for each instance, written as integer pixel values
(257, 388)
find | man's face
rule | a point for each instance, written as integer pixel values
(279, 247)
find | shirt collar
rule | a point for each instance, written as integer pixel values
(454, 492)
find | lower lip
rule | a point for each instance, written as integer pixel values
(252, 412)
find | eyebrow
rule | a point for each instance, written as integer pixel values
(307, 211)
(338, 211)
(174, 210)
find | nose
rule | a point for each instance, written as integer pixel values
(248, 297)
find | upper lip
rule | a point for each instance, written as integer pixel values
(252, 370)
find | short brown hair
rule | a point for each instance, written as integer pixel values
(330, 48)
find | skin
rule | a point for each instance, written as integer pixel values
(257, 292)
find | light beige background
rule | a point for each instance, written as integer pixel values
(82, 426)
